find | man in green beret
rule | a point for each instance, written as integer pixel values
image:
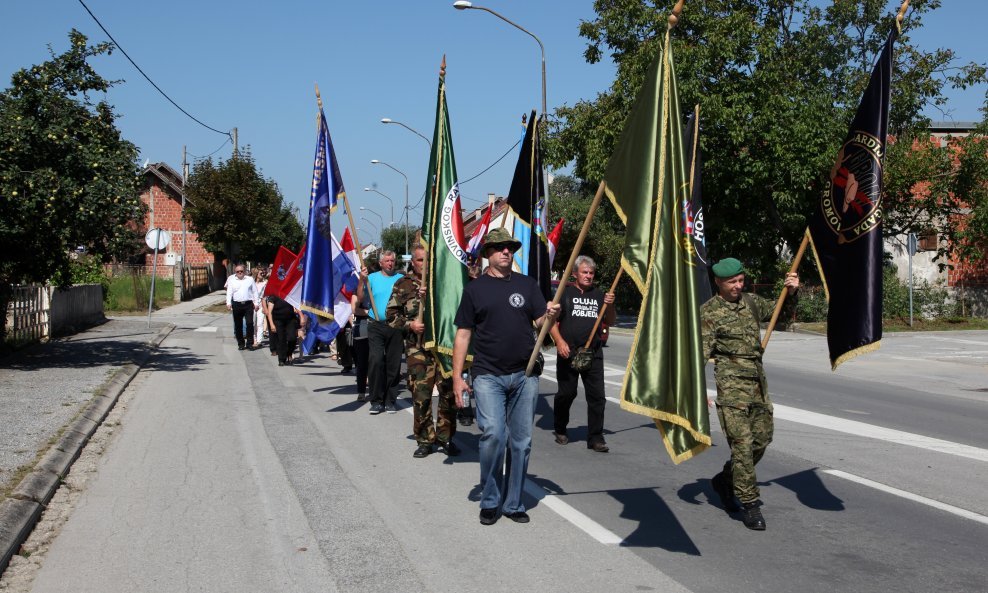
(731, 336)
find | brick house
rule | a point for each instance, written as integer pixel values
(965, 280)
(161, 192)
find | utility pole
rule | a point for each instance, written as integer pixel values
(185, 178)
(236, 143)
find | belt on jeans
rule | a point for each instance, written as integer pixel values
(243, 302)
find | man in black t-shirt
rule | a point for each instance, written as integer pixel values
(581, 306)
(497, 312)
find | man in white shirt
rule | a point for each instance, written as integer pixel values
(243, 299)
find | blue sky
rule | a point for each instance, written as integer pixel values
(252, 65)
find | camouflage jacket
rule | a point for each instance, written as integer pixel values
(731, 336)
(403, 308)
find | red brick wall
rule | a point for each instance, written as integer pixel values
(168, 216)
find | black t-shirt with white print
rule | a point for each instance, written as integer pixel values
(578, 314)
(500, 311)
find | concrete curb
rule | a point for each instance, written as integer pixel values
(20, 512)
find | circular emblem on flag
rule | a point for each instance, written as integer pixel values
(851, 201)
(451, 226)
(517, 301)
(282, 272)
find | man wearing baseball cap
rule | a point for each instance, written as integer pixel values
(731, 336)
(496, 313)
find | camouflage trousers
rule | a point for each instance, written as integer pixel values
(425, 373)
(748, 428)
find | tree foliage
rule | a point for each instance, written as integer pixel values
(570, 200)
(393, 238)
(777, 84)
(67, 177)
(235, 210)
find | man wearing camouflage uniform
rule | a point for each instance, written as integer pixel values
(402, 313)
(731, 335)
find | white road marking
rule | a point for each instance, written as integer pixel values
(964, 513)
(564, 510)
(878, 432)
(209, 329)
(875, 432)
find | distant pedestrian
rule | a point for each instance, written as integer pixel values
(731, 336)
(581, 305)
(243, 300)
(285, 320)
(361, 346)
(260, 318)
(496, 314)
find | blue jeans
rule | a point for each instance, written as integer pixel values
(505, 416)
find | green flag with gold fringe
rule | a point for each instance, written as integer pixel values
(443, 238)
(646, 181)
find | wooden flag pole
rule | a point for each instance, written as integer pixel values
(547, 325)
(600, 316)
(353, 227)
(785, 291)
(901, 15)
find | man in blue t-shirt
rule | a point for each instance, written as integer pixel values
(497, 312)
(385, 343)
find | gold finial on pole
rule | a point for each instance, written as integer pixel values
(677, 11)
(318, 96)
(901, 15)
(442, 68)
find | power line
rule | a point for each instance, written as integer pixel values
(492, 164)
(225, 142)
(148, 78)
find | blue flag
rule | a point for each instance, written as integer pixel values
(318, 289)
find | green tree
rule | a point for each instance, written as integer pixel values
(393, 238)
(238, 212)
(67, 177)
(777, 83)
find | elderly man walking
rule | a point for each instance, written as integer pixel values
(243, 299)
(496, 313)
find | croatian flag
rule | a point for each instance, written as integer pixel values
(346, 277)
(291, 286)
(554, 236)
(280, 271)
(477, 240)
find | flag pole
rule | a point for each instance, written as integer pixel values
(353, 232)
(600, 316)
(901, 15)
(785, 290)
(547, 325)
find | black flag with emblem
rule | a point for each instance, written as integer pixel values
(694, 228)
(846, 227)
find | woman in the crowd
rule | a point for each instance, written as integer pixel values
(285, 320)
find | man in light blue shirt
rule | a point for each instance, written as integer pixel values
(386, 343)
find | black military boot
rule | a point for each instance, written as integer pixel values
(752, 516)
(725, 490)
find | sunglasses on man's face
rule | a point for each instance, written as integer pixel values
(240, 271)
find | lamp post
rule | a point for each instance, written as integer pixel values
(386, 198)
(464, 5)
(372, 226)
(377, 162)
(388, 120)
(381, 218)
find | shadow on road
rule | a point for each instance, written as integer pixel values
(810, 490)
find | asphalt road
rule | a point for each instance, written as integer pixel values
(233, 474)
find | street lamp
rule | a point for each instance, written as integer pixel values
(371, 223)
(388, 120)
(375, 214)
(464, 5)
(377, 162)
(386, 198)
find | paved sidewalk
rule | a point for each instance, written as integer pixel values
(47, 388)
